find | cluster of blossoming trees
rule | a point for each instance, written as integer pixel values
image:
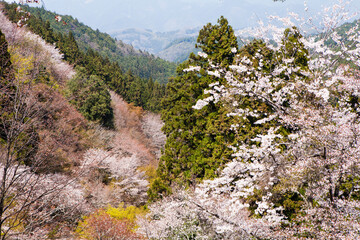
(296, 173)
(265, 138)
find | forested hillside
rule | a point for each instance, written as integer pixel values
(141, 63)
(61, 157)
(178, 50)
(265, 145)
(139, 91)
(254, 141)
(157, 42)
(174, 46)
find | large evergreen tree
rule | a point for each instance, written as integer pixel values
(218, 41)
(197, 140)
(91, 97)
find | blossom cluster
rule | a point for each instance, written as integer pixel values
(308, 147)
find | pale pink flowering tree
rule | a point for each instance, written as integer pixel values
(319, 104)
(316, 158)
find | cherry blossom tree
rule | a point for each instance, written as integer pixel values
(298, 176)
(312, 89)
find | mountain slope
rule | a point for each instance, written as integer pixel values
(64, 165)
(174, 46)
(95, 68)
(141, 63)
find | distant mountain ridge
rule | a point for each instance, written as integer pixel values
(178, 51)
(153, 42)
(174, 46)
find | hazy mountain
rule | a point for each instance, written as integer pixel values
(179, 49)
(173, 46)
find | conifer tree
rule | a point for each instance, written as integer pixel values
(218, 42)
(136, 92)
(197, 140)
(90, 95)
(71, 49)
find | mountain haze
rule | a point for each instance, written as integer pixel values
(173, 46)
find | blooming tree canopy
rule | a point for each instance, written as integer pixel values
(298, 170)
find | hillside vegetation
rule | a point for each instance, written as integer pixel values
(141, 63)
(178, 50)
(258, 141)
(155, 42)
(262, 139)
(140, 91)
(58, 163)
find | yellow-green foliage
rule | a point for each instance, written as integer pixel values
(24, 69)
(130, 213)
(81, 231)
(23, 65)
(127, 215)
(150, 171)
(110, 222)
(13, 221)
(87, 227)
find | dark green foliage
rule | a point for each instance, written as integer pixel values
(218, 41)
(158, 189)
(154, 90)
(5, 63)
(197, 140)
(69, 48)
(91, 97)
(6, 90)
(293, 48)
(135, 92)
(291, 201)
(348, 187)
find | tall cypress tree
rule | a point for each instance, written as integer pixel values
(218, 41)
(197, 140)
(71, 49)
